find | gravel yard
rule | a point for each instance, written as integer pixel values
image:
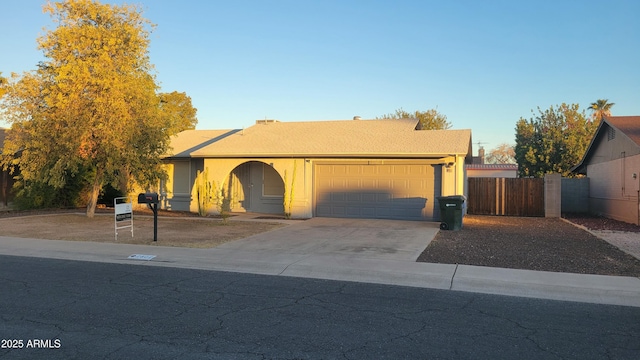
(542, 244)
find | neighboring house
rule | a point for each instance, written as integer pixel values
(353, 168)
(478, 168)
(480, 158)
(492, 170)
(612, 164)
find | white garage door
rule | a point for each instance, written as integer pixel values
(377, 191)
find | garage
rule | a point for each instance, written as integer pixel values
(376, 190)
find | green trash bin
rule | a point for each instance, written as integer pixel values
(451, 211)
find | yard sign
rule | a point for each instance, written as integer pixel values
(123, 215)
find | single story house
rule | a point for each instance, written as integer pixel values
(492, 170)
(612, 164)
(351, 168)
(479, 169)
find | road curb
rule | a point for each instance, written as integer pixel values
(599, 289)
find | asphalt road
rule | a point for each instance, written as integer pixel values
(58, 309)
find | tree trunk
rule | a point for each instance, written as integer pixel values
(123, 183)
(95, 192)
(4, 184)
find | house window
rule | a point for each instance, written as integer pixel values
(272, 184)
(611, 134)
(181, 172)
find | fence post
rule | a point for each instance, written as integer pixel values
(553, 195)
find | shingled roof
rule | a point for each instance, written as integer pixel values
(627, 125)
(188, 141)
(345, 138)
(491, 167)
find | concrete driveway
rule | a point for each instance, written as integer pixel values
(347, 238)
(365, 250)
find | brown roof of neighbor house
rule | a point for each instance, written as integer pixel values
(344, 138)
(628, 125)
(188, 141)
(492, 167)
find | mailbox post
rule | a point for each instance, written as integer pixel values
(152, 201)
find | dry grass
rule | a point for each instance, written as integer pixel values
(182, 232)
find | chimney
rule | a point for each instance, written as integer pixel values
(481, 154)
(266, 121)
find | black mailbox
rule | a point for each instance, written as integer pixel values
(148, 198)
(152, 201)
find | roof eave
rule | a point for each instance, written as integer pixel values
(581, 167)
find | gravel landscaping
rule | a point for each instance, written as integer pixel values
(542, 244)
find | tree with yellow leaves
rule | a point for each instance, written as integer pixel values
(2, 82)
(178, 112)
(90, 113)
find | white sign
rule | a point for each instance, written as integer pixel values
(141, 257)
(123, 212)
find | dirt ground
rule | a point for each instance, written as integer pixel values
(542, 244)
(189, 231)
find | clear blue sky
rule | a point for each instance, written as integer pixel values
(484, 64)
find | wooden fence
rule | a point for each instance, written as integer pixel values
(506, 196)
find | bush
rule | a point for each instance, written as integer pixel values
(39, 195)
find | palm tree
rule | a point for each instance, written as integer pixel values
(601, 109)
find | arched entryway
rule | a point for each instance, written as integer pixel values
(255, 186)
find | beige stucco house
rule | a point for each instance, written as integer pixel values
(492, 170)
(352, 168)
(612, 164)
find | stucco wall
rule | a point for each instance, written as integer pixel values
(246, 186)
(614, 188)
(176, 191)
(219, 169)
(618, 209)
(454, 178)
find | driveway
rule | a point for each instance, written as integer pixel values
(347, 238)
(365, 250)
(377, 251)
